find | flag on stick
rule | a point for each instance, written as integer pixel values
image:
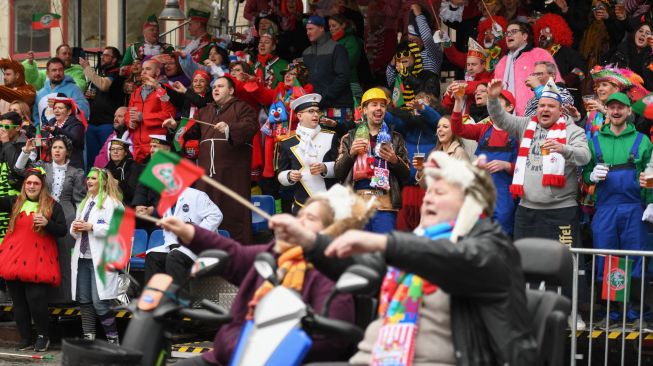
(184, 125)
(45, 20)
(398, 93)
(118, 241)
(616, 278)
(169, 174)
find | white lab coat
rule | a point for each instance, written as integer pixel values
(100, 218)
(194, 207)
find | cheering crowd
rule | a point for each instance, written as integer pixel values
(550, 103)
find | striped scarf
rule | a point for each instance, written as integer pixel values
(553, 164)
(400, 300)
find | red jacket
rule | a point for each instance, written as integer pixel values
(154, 111)
(484, 77)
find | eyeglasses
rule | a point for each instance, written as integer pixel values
(116, 149)
(312, 111)
(511, 32)
(8, 127)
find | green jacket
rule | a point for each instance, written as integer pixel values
(36, 77)
(354, 46)
(278, 66)
(135, 50)
(616, 150)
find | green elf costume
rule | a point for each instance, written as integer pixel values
(143, 50)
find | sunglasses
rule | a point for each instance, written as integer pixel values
(9, 127)
(401, 54)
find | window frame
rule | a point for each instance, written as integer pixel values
(12, 32)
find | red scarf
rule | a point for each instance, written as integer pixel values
(338, 35)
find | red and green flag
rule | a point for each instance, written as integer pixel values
(118, 242)
(398, 93)
(616, 278)
(169, 174)
(184, 126)
(45, 20)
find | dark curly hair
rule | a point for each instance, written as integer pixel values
(66, 141)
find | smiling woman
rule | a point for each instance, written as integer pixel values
(29, 256)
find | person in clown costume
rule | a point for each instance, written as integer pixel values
(554, 35)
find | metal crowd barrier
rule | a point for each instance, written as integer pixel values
(585, 260)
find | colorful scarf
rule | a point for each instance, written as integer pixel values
(553, 164)
(291, 271)
(401, 296)
(595, 121)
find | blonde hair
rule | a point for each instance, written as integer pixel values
(25, 111)
(108, 187)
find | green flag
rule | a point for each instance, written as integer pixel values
(398, 93)
(45, 20)
(118, 241)
(184, 126)
(169, 174)
(616, 278)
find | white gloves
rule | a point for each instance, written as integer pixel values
(648, 213)
(599, 173)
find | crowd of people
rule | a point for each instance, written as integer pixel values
(550, 104)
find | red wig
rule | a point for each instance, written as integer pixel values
(486, 24)
(560, 30)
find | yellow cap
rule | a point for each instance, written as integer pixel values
(374, 93)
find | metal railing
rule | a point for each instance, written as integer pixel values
(636, 331)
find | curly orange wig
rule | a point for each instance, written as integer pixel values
(486, 24)
(560, 30)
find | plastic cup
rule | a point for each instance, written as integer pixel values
(649, 180)
(587, 99)
(543, 150)
(419, 160)
(461, 91)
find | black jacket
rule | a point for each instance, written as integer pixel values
(10, 179)
(482, 274)
(126, 173)
(105, 103)
(329, 72)
(184, 101)
(627, 55)
(74, 130)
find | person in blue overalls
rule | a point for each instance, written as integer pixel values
(500, 150)
(619, 155)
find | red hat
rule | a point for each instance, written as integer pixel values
(509, 97)
(203, 74)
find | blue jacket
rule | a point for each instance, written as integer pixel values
(67, 87)
(418, 131)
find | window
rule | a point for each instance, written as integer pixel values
(137, 13)
(23, 37)
(93, 24)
